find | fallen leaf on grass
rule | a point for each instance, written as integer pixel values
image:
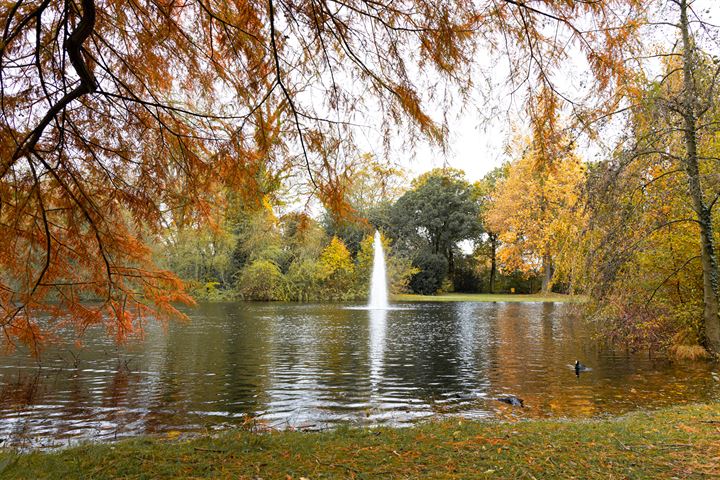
(686, 428)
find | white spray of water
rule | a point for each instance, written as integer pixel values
(378, 282)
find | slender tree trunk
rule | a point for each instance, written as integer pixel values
(711, 320)
(547, 274)
(493, 261)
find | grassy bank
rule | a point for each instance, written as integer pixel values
(487, 297)
(682, 442)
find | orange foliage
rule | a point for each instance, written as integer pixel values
(120, 117)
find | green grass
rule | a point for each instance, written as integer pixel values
(487, 297)
(682, 442)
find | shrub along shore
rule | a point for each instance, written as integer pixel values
(678, 442)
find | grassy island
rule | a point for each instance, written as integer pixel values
(488, 297)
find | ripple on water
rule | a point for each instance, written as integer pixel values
(321, 365)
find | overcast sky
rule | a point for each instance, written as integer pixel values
(477, 149)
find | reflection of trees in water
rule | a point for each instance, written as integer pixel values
(344, 355)
(69, 399)
(531, 358)
(311, 363)
(15, 396)
(422, 352)
(293, 376)
(24, 390)
(120, 391)
(475, 333)
(217, 362)
(246, 370)
(511, 347)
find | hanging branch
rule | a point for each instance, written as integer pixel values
(88, 84)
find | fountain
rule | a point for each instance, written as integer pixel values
(378, 282)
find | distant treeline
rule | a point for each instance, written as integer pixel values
(635, 232)
(434, 236)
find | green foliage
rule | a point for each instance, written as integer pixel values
(467, 277)
(199, 254)
(211, 291)
(258, 237)
(303, 239)
(256, 255)
(432, 272)
(350, 232)
(260, 280)
(437, 214)
(429, 221)
(303, 281)
(364, 263)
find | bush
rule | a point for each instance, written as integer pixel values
(261, 280)
(433, 271)
(337, 268)
(303, 281)
(210, 291)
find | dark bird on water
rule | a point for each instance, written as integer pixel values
(579, 367)
(512, 400)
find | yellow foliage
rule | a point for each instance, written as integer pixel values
(336, 258)
(535, 211)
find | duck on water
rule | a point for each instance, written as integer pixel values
(512, 400)
(518, 402)
(579, 367)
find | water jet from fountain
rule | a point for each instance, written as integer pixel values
(378, 281)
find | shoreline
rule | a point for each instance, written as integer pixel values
(445, 297)
(489, 297)
(682, 441)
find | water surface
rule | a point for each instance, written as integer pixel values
(314, 366)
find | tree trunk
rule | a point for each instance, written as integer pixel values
(547, 274)
(711, 320)
(493, 261)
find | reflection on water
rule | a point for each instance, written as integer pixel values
(377, 347)
(313, 366)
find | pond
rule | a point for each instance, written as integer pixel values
(313, 366)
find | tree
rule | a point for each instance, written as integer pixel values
(260, 280)
(303, 281)
(117, 115)
(258, 236)
(663, 180)
(432, 272)
(336, 270)
(440, 211)
(302, 237)
(692, 110)
(199, 255)
(487, 189)
(370, 188)
(536, 211)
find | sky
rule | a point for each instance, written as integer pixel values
(476, 146)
